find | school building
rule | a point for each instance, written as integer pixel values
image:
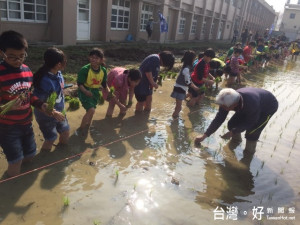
(69, 22)
(290, 23)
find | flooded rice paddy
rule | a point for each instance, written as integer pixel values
(145, 169)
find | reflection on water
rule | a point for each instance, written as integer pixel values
(144, 169)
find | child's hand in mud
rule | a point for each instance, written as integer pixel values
(199, 139)
(129, 104)
(109, 97)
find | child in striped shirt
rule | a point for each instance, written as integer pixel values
(17, 137)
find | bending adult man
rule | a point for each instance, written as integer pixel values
(253, 108)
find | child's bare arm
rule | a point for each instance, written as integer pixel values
(193, 86)
(211, 76)
(85, 91)
(131, 93)
(150, 79)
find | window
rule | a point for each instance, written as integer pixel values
(194, 25)
(212, 28)
(204, 26)
(83, 10)
(239, 4)
(234, 3)
(24, 10)
(147, 12)
(181, 23)
(292, 16)
(120, 15)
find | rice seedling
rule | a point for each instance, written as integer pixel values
(96, 222)
(276, 181)
(216, 153)
(189, 142)
(270, 196)
(218, 80)
(257, 172)
(202, 89)
(51, 102)
(159, 80)
(163, 76)
(74, 104)
(261, 200)
(281, 172)
(150, 193)
(70, 78)
(101, 99)
(112, 90)
(295, 138)
(173, 75)
(8, 106)
(189, 131)
(117, 177)
(66, 201)
(262, 164)
(68, 98)
(175, 135)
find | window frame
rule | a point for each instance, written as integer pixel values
(293, 17)
(182, 23)
(23, 12)
(194, 25)
(119, 8)
(212, 28)
(145, 13)
(204, 26)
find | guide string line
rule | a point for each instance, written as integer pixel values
(77, 155)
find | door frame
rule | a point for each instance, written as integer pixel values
(88, 22)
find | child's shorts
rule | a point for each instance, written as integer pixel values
(143, 97)
(17, 142)
(50, 128)
(296, 53)
(233, 74)
(89, 102)
(178, 93)
(259, 58)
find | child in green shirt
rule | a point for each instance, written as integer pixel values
(90, 78)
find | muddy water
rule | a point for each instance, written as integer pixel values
(144, 169)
